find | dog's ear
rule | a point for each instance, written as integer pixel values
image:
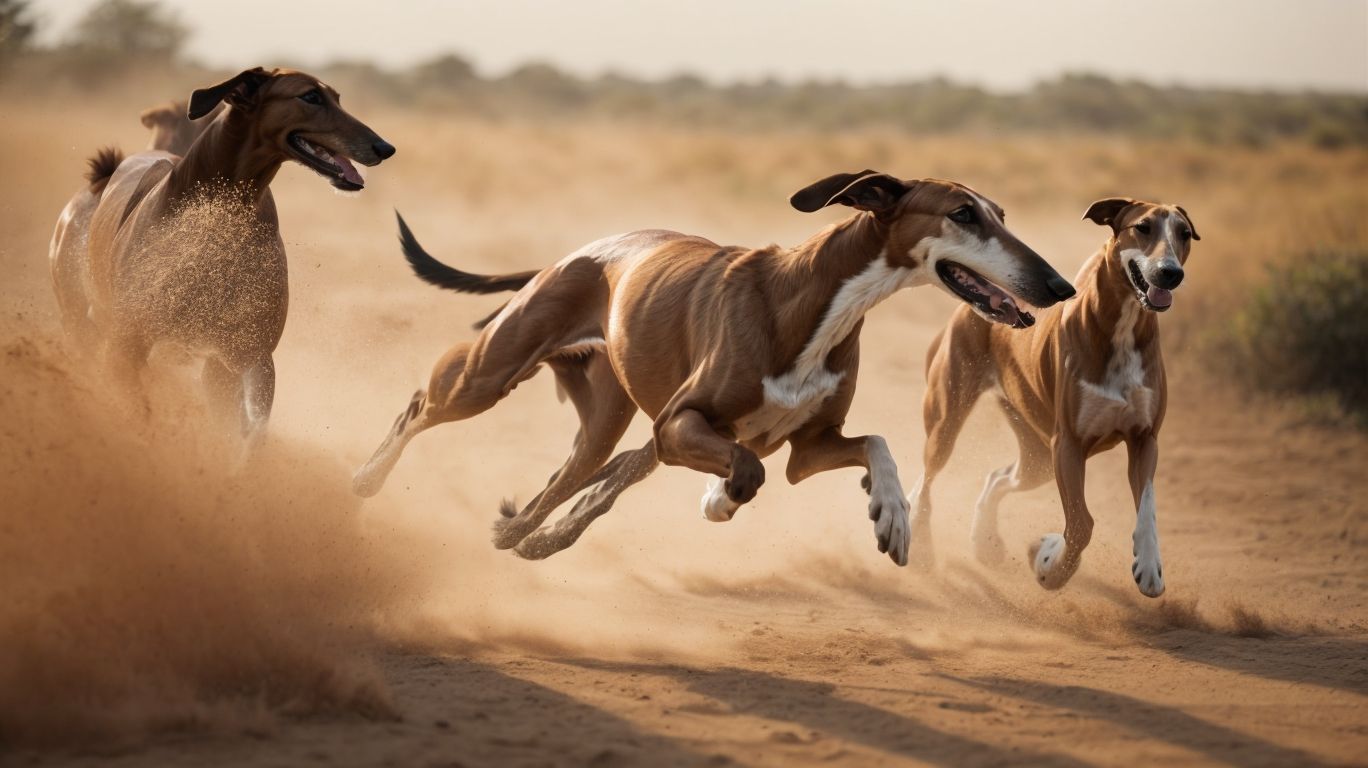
(239, 90)
(151, 118)
(1107, 211)
(866, 191)
(170, 113)
(1191, 226)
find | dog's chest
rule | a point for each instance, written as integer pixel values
(1121, 401)
(790, 401)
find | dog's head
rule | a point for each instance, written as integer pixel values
(172, 130)
(953, 236)
(302, 118)
(1151, 242)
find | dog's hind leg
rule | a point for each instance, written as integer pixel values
(605, 411)
(625, 470)
(418, 415)
(1031, 470)
(954, 383)
(258, 394)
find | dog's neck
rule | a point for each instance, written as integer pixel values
(229, 153)
(805, 283)
(1106, 298)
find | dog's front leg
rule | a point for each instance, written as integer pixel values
(1147, 569)
(686, 438)
(888, 508)
(1055, 557)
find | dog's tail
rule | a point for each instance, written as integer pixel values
(430, 270)
(102, 166)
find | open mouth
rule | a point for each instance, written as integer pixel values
(989, 300)
(336, 168)
(1151, 296)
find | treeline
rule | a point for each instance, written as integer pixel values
(120, 39)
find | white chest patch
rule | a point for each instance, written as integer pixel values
(793, 397)
(1121, 401)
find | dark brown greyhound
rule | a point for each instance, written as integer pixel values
(160, 248)
(731, 351)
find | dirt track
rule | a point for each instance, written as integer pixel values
(782, 637)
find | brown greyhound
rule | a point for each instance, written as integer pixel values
(731, 351)
(1086, 377)
(172, 129)
(161, 248)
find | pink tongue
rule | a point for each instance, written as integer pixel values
(1159, 297)
(350, 173)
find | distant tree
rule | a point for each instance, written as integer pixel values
(16, 26)
(130, 28)
(445, 71)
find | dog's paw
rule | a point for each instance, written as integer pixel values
(1149, 577)
(892, 526)
(508, 532)
(716, 504)
(747, 475)
(1147, 568)
(366, 483)
(1049, 561)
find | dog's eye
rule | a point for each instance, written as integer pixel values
(311, 97)
(1143, 228)
(962, 215)
(1185, 234)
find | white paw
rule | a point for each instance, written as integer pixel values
(365, 483)
(717, 507)
(1148, 569)
(892, 526)
(1048, 558)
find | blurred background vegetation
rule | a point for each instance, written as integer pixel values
(1284, 312)
(119, 38)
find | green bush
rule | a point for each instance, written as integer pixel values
(1304, 331)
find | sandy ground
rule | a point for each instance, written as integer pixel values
(171, 613)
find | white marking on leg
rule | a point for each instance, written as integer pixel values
(1049, 557)
(717, 506)
(1147, 569)
(887, 502)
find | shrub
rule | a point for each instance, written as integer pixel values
(1304, 331)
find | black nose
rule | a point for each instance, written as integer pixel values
(384, 149)
(1061, 288)
(1168, 277)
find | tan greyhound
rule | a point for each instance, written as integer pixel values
(1085, 378)
(731, 351)
(161, 248)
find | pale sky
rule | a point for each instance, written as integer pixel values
(1002, 45)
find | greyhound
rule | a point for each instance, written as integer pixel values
(731, 351)
(160, 248)
(1085, 378)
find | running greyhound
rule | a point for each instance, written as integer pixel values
(731, 351)
(160, 248)
(1086, 377)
